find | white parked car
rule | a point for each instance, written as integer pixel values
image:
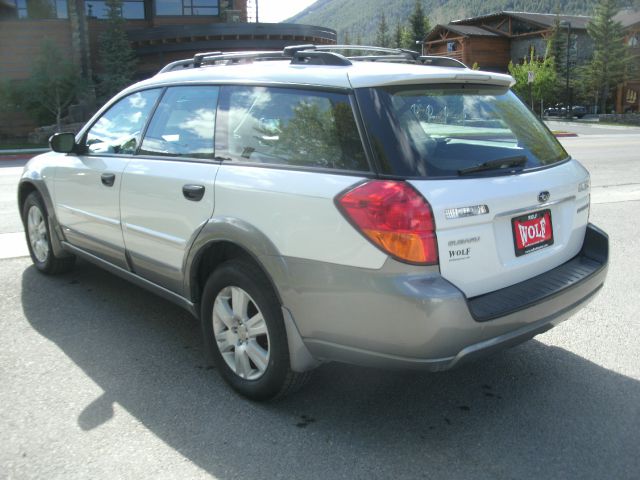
(385, 209)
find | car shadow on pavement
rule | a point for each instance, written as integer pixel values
(533, 411)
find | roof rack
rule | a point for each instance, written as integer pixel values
(315, 55)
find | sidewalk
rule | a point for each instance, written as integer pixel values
(13, 245)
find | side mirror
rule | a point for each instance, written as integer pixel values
(62, 142)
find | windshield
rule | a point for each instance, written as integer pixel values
(443, 130)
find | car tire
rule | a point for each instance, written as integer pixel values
(244, 332)
(38, 235)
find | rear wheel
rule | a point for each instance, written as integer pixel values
(37, 231)
(244, 332)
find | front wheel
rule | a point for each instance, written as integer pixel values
(38, 233)
(244, 332)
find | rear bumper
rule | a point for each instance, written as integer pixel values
(423, 321)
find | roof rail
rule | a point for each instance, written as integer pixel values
(291, 50)
(316, 55)
(394, 55)
(212, 58)
(312, 57)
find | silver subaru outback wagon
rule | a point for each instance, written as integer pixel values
(312, 205)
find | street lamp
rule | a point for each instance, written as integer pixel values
(565, 23)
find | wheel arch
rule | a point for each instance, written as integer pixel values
(28, 185)
(224, 238)
(25, 188)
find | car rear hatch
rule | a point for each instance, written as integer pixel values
(508, 202)
(497, 231)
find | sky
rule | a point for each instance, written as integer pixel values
(278, 10)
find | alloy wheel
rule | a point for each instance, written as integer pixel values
(241, 333)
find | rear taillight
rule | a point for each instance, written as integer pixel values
(395, 217)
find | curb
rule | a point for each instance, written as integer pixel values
(13, 154)
(12, 157)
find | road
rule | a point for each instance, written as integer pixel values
(99, 379)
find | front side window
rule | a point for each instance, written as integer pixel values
(183, 123)
(119, 129)
(446, 130)
(291, 127)
(187, 7)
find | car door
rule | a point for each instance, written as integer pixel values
(87, 186)
(167, 189)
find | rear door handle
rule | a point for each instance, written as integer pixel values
(108, 179)
(193, 192)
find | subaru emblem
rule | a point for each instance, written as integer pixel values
(543, 196)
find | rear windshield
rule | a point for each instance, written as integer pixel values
(449, 130)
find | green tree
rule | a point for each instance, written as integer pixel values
(611, 57)
(382, 35)
(402, 37)
(397, 35)
(116, 58)
(418, 24)
(544, 80)
(54, 84)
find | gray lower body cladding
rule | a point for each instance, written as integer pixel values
(417, 319)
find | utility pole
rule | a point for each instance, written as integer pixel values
(567, 24)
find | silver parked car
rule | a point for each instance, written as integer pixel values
(385, 209)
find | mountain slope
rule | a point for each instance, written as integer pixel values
(360, 17)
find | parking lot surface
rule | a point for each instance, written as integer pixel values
(100, 379)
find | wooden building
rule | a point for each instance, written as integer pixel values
(492, 41)
(471, 45)
(628, 93)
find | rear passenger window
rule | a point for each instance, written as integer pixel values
(291, 127)
(183, 123)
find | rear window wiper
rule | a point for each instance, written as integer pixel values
(498, 164)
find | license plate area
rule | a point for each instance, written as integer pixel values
(532, 232)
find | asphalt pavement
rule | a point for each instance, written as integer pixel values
(100, 379)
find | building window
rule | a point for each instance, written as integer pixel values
(38, 9)
(131, 9)
(187, 7)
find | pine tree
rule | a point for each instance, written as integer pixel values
(116, 58)
(419, 24)
(397, 36)
(382, 36)
(611, 57)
